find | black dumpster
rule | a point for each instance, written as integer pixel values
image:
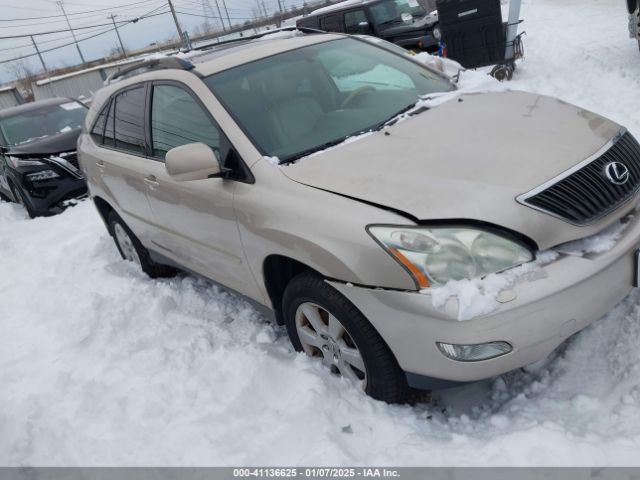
(472, 31)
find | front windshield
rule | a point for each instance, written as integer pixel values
(392, 11)
(298, 101)
(42, 122)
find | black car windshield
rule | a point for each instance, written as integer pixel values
(293, 103)
(42, 122)
(393, 11)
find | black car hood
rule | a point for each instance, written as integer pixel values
(51, 145)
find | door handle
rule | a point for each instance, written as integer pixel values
(100, 165)
(151, 181)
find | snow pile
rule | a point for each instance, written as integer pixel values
(450, 68)
(481, 295)
(599, 243)
(100, 365)
(275, 161)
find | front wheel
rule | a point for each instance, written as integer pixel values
(325, 325)
(21, 199)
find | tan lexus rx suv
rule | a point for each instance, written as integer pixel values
(406, 243)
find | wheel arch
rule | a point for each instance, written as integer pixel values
(104, 209)
(277, 272)
(632, 5)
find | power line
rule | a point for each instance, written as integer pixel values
(76, 13)
(55, 31)
(207, 16)
(142, 17)
(59, 20)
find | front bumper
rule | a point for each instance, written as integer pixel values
(49, 196)
(551, 304)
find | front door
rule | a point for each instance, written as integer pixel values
(196, 221)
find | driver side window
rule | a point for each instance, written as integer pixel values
(352, 21)
(178, 119)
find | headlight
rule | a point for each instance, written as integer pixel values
(435, 255)
(20, 162)
(42, 175)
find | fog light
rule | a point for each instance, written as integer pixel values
(43, 175)
(474, 353)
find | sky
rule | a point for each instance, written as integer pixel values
(37, 16)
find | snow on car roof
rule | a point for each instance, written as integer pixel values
(339, 6)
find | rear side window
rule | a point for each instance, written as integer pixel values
(330, 23)
(178, 119)
(129, 120)
(352, 21)
(109, 138)
(98, 128)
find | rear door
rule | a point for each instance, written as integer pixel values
(331, 22)
(122, 159)
(196, 219)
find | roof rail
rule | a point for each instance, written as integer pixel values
(260, 35)
(164, 63)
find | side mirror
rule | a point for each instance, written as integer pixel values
(193, 161)
(364, 28)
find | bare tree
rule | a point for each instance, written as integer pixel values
(21, 71)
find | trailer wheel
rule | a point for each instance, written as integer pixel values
(502, 72)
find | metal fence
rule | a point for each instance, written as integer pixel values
(10, 97)
(82, 84)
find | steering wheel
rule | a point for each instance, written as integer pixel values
(355, 94)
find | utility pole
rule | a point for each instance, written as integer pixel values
(59, 2)
(224, 4)
(280, 8)
(113, 19)
(38, 52)
(224, 29)
(175, 19)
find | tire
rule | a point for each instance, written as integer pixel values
(382, 378)
(502, 72)
(131, 249)
(21, 200)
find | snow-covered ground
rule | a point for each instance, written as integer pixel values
(100, 365)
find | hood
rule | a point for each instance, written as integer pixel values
(468, 159)
(51, 145)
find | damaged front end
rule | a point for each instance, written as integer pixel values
(47, 183)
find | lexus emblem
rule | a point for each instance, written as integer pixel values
(617, 173)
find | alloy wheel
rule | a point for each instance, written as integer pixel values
(323, 335)
(126, 245)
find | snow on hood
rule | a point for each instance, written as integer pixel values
(469, 158)
(50, 145)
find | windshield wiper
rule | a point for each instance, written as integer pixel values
(393, 119)
(390, 121)
(318, 148)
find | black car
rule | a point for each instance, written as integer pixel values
(403, 22)
(38, 161)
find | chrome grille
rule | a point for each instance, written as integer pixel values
(586, 194)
